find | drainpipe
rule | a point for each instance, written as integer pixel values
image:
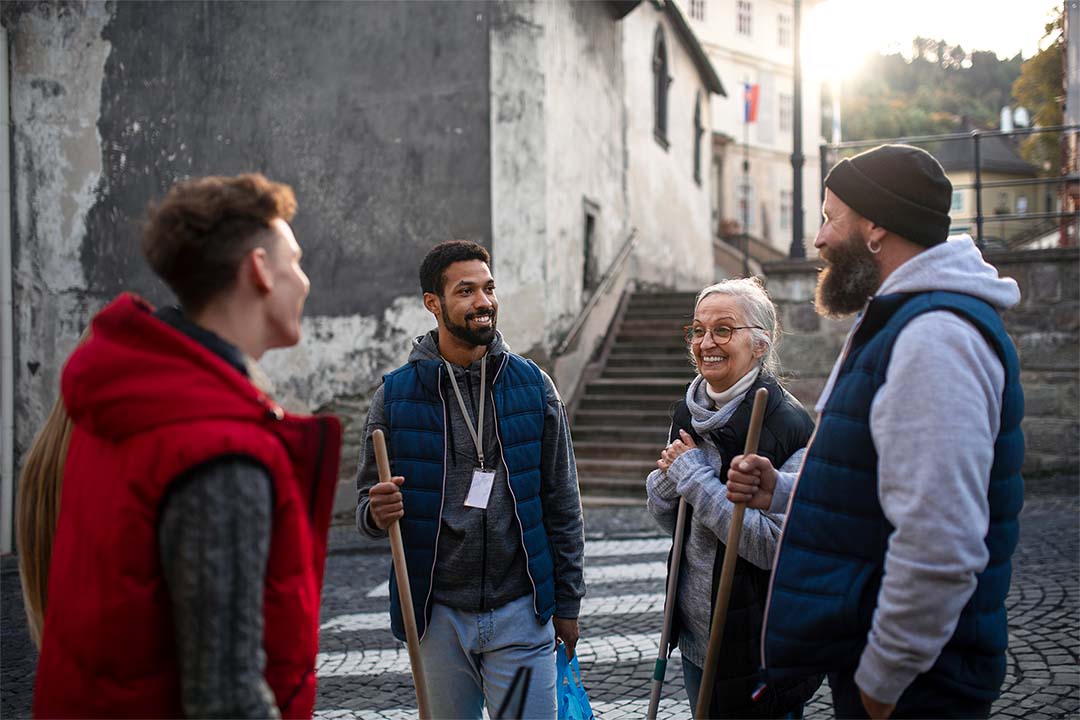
(7, 337)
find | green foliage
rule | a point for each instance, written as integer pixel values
(942, 88)
(1040, 88)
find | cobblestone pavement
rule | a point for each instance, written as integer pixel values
(364, 673)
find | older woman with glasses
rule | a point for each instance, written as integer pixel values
(732, 344)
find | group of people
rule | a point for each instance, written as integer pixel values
(173, 519)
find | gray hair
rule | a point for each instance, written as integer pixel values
(758, 309)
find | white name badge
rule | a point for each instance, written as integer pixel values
(480, 490)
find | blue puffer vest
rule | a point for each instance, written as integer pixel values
(416, 416)
(829, 565)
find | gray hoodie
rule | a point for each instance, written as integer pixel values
(480, 561)
(934, 422)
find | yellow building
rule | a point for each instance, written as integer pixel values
(1006, 196)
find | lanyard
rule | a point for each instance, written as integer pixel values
(478, 431)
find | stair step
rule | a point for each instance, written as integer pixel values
(595, 498)
(625, 417)
(602, 449)
(664, 295)
(636, 348)
(672, 388)
(613, 487)
(648, 434)
(654, 403)
(676, 374)
(648, 324)
(589, 468)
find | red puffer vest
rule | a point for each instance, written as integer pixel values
(149, 403)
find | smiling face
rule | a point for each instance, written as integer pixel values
(723, 365)
(468, 308)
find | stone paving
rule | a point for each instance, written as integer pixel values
(364, 673)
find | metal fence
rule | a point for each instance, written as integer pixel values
(1001, 199)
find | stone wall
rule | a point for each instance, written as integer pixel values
(1045, 327)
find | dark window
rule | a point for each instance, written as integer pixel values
(786, 112)
(590, 273)
(698, 132)
(660, 88)
(745, 14)
(783, 24)
(697, 9)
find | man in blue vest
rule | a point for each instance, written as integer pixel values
(485, 487)
(894, 564)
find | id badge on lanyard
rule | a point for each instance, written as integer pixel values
(482, 479)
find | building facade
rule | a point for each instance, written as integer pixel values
(399, 124)
(752, 42)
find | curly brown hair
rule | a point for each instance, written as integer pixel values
(197, 236)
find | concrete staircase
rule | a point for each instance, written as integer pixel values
(621, 421)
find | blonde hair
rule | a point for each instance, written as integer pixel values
(40, 482)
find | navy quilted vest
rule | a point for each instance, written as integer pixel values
(830, 562)
(416, 416)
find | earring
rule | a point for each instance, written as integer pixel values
(874, 249)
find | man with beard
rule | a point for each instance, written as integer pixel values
(894, 564)
(485, 484)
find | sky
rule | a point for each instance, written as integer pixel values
(839, 33)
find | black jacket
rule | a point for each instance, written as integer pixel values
(786, 428)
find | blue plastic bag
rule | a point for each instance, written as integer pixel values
(573, 702)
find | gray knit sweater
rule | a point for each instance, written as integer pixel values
(693, 475)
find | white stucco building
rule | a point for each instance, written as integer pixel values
(752, 41)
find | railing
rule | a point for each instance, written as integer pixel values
(606, 281)
(1066, 216)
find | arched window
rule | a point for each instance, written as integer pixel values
(660, 87)
(698, 132)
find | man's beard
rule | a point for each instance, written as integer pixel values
(476, 338)
(850, 277)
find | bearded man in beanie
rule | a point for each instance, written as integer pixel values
(894, 564)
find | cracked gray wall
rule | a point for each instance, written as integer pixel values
(376, 113)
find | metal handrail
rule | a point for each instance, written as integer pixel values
(951, 136)
(1020, 182)
(602, 287)
(1016, 216)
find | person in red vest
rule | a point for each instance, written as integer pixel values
(188, 561)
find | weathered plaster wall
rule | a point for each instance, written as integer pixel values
(669, 209)
(1045, 327)
(376, 113)
(557, 141)
(58, 59)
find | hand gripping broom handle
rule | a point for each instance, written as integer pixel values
(727, 572)
(401, 572)
(669, 612)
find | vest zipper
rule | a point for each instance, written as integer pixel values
(795, 488)
(483, 518)
(442, 504)
(498, 436)
(779, 547)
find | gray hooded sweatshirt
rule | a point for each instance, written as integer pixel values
(934, 422)
(480, 560)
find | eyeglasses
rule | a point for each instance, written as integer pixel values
(721, 334)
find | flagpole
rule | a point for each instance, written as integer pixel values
(747, 109)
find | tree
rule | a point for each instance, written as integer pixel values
(1040, 89)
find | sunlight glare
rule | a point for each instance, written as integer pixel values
(835, 38)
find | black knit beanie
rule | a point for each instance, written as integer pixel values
(899, 187)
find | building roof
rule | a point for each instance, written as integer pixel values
(689, 39)
(622, 8)
(996, 154)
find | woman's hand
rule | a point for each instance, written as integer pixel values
(675, 449)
